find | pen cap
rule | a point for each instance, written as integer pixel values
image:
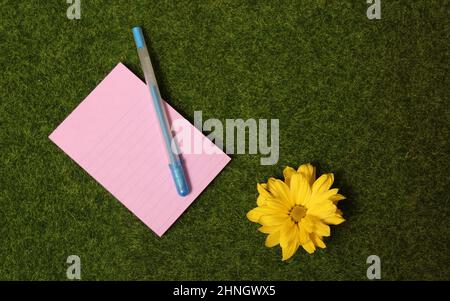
(138, 37)
(179, 178)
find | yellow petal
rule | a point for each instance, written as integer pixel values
(273, 220)
(264, 195)
(268, 229)
(323, 183)
(309, 247)
(317, 240)
(280, 190)
(303, 234)
(300, 191)
(334, 219)
(337, 197)
(289, 250)
(318, 183)
(321, 229)
(309, 172)
(288, 172)
(288, 233)
(261, 200)
(324, 196)
(307, 223)
(295, 186)
(273, 239)
(255, 214)
(322, 209)
(262, 188)
(278, 206)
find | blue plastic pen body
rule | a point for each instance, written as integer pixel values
(175, 164)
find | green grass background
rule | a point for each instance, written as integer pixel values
(365, 99)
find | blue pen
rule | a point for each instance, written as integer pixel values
(175, 163)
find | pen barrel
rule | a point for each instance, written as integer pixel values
(175, 164)
(171, 145)
(147, 66)
(150, 78)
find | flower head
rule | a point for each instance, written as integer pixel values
(297, 212)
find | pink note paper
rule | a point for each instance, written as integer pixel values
(114, 135)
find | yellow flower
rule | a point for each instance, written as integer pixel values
(297, 212)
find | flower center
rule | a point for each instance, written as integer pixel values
(297, 213)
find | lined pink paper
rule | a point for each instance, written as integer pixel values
(114, 135)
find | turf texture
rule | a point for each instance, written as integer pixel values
(365, 99)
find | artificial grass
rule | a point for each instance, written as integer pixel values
(365, 99)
